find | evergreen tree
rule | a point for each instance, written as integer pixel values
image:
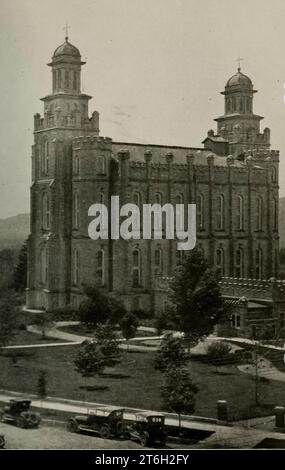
(19, 282)
(197, 303)
(178, 392)
(170, 353)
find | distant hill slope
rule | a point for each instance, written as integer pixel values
(14, 231)
(282, 221)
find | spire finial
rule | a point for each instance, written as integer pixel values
(239, 59)
(66, 28)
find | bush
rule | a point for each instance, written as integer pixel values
(170, 353)
(99, 308)
(219, 353)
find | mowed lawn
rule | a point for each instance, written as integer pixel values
(135, 383)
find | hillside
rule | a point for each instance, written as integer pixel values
(14, 231)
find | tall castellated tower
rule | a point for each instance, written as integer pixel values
(65, 117)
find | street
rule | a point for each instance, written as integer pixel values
(54, 437)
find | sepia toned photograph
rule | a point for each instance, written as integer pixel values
(142, 227)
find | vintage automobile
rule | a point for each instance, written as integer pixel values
(2, 441)
(18, 412)
(107, 421)
(148, 428)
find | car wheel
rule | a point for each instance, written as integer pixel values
(120, 428)
(21, 423)
(105, 432)
(2, 442)
(34, 419)
(72, 425)
(144, 440)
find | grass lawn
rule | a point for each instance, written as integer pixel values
(135, 383)
(23, 337)
(83, 330)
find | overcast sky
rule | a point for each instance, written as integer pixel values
(155, 69)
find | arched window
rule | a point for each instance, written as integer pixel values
(200, 212)
(239, 263)
(221, 212)
(45, 157)
(259, 213)
(158, 261)
(74, 80)
(76, 164)
(137, 199)
(179, 199)
(136, 268)
(275, 215)
(179, 257)
(66, 79)
(101, 164)
(158, 198)
(101, 196)
(45, 211)
(75, 267)
(44, 265)
(76, 208)
(220, 260)
(59, 80)
(101, 267)
(258, 263)
(240, 213)
(273, 175)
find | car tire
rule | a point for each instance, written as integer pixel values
(21, 423)
(119, 428)
(105, 432)
(72, 426)
(144, 439)
(34, 419)
(2, 442)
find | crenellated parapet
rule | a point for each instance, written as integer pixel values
(91, 143)
(263, 289)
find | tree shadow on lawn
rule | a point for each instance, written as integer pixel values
(113, 375)
(93, 388)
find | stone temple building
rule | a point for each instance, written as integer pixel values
(232, 179)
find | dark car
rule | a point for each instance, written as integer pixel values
(18, 412)
(107, 421)
(148, 428)
(2, 441)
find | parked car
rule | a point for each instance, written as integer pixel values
(107, 421)
(18, 412)
(2, 441)
(148, 428)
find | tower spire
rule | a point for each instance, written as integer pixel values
(239, 59)
(66, 28)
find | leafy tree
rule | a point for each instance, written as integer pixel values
(42, 384)
(170, 353)
(218, 353)
(8, 316)
(89, 360)
(99, 307)
(19, 282)
(108, 344)
(178, 392)
(129, 326)
(103, 351)
(7, 261)
(197, 303)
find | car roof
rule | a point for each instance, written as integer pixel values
(17, 400)
(147, 414)
(103, 410)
